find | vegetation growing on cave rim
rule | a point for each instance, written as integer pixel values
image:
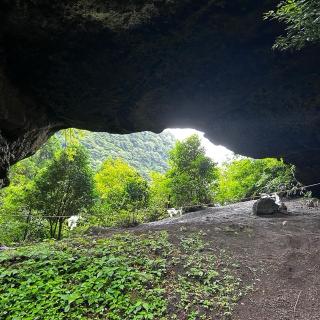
(84, 278)
(302, 23)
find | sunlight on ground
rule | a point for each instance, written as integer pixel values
(219, 154)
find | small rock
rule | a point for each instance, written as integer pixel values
(96, 231)
(265, 206)
(284, 223)
(310, 204)
(3, 248)
(283, 208)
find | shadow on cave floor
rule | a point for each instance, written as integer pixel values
(280, 256)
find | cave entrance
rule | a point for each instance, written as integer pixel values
(123, 180)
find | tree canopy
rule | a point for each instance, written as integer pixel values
(17, 200)
(64, 188)
(302, 21)
(145, 151)
(120, 185)
(191, 173)
(247, 177)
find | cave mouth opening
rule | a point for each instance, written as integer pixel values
(148, 152)
(218, 153)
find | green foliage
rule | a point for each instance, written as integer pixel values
(120, 185)
(17, 200)
(121, 189)
(111, 279)
(191, 173)
(248, 177)
(145, 151)
(128, 219)
(159, 196)
(204, 286)
(302, 20)
(71, 139)
(57, 181)
(64, 188)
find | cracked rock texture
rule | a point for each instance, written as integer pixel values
(131, 65)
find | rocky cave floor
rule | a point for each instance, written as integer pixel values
(279, 255)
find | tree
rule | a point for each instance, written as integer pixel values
(191, 173)
(243, 178)
(16, 202)
(159, 196)
(64, 188)
(145, 151)
(120, 186)
(302, 20)
(45, 154)
(159, 189)
(17, 199)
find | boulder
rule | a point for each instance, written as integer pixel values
(265, 206)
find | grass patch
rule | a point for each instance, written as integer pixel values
(123, 277)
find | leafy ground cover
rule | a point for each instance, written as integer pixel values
(126, 276)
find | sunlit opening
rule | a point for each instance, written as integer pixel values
(218, 153)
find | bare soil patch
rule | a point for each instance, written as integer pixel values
(278, 254)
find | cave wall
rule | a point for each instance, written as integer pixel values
(131, 65)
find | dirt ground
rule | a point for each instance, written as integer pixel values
(278, 254)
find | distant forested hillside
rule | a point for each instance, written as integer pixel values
(146, 151)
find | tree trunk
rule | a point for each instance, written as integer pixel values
(60, 228)
(51, 228)
(27, 227)
(55, 228)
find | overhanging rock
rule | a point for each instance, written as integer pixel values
(126, 66)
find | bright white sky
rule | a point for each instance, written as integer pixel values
(219, 154)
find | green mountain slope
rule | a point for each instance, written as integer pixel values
(146, 151)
